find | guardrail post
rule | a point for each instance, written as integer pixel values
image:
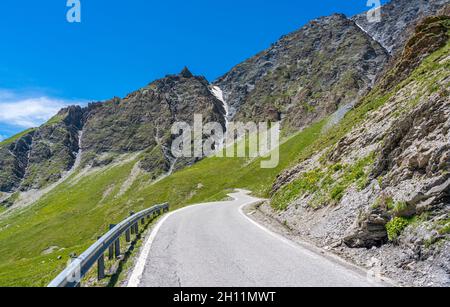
(136, 228)
(132, 227)
(111, 252)
(101, 266)
(117, 248)
(128, 236)
(143, 221)
(111, 247)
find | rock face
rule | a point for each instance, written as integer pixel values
(14, 161)
(40, 156)
(385, 180)
(306, 75)
(398, 17)
(54, 148)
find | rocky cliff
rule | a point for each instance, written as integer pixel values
(14, 160)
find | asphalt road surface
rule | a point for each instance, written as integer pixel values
(217, 245)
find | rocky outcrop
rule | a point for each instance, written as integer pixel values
(431, 35)
(369, 229)
(41, 156)
(54, 148)
(14, 155)
(398, 19)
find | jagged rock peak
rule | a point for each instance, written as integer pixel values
(186, 73)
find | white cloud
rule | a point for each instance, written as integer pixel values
(28, 111)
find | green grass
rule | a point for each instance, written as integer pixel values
(399, 207)
(54, 120)
(328, 184)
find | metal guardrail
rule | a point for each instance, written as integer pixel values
(79, 267)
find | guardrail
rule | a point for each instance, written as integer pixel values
(79, 267)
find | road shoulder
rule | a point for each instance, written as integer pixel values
(268, 223)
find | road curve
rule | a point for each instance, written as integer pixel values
(216, 245)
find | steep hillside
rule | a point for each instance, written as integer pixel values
(324, 67)
(378, 184)
(306, 75)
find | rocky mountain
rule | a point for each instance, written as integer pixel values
(306, 75)
(398, 19)
(37, 157)
(95, 135)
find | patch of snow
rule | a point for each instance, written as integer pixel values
(218, 93)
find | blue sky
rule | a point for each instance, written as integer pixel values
(120, 46)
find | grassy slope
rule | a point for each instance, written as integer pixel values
(73, 216)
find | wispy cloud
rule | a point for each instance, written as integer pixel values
(29, 110)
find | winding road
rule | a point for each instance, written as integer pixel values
(217, 245)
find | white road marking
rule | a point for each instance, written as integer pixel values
(139, 268)
(275, 235)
